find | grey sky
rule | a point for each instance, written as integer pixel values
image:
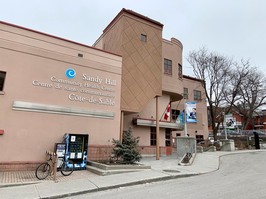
(234, 28)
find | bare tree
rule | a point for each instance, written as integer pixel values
(228, 85)
(252, 95)
(237, 75)
(215, 71)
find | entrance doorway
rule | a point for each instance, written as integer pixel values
(168, 141)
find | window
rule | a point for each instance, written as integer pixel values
(175, 114)
(199, 138)
(153, 136)
(143, 37)
(167, 137)
(197, 95)
(2, 80)
(180, 73)
(185, 94)
(168, 66)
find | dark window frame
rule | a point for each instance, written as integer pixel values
(174, 114)
(153, 136)
(2, 80)
(168, 66)
(180, 71)
(185, 94)
(143, 37)
(199, 138)
(197, 95)
(168, 136)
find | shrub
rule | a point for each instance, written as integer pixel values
(126, 151)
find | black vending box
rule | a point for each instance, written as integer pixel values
(77, 149)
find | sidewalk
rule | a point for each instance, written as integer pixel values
(84, 181)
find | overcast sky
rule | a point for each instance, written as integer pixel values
(233, 28)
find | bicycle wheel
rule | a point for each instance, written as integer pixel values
(67, 168)
(42, 171)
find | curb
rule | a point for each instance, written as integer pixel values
(18, 184)
(170, 177)
(132, 183)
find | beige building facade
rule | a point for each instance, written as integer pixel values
(151, 68)
(51, 86)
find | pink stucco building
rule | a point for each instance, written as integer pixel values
(51, 86)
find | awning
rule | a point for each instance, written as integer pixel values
(162, 124)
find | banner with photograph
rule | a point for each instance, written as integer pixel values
(230, 121)
(191, 112)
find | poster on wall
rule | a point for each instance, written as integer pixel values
(191, 112)
(60, 149)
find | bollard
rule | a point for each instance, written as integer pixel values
(53, 164)
(257, 140)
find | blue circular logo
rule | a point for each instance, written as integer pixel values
(70, 73)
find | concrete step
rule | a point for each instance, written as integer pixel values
(109, 172)
(104, 169)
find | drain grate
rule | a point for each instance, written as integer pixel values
(171, 171)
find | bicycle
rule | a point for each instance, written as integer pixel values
(66, 167)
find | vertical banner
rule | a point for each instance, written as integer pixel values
(230, 121)
(180, 118)
(191, 112)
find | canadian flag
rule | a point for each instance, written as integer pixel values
(167, 113)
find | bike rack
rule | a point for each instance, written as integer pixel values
(54, 163)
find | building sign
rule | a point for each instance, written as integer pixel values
(70, 73)
(84, 88)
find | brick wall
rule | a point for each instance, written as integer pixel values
(18, 166)
(94, 153)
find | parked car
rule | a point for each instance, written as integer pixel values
(233, 133)
(251, 132)
(260, 133)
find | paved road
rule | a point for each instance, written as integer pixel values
(241, 176)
